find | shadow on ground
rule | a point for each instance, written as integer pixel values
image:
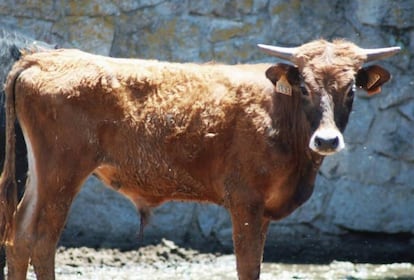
(353, 247)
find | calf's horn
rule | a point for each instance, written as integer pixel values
(280, 52)
(287, 53)
(376, 54)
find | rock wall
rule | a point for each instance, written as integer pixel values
(369, 187)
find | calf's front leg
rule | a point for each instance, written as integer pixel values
(249, 235)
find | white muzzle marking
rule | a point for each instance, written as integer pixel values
(327, 139)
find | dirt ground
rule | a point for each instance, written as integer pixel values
(169, 261)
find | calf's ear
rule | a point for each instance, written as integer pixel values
(371, 78)
(283, 76)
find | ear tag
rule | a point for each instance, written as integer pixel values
(283, 86)
(372, 79)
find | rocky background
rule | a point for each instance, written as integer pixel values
(366, 190)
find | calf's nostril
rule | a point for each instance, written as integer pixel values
(326, 144)
(335, 143)
(318, 142)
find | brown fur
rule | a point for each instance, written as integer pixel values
(155, 131)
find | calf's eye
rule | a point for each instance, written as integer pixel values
(304, 91)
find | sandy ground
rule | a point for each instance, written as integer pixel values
(168, 261)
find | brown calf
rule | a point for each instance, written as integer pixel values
(10, 43)
(248, 137)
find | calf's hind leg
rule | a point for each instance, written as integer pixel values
(41, 216)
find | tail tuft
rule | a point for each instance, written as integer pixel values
(8, 186)
(145, 213)
(8, 204)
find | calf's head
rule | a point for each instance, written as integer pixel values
(325, 75)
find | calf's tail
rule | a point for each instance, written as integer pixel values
(8, 185)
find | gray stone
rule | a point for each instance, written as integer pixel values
(101, 217)
(398, 14)
(208, 217)
(39, 29)
(394, 137)
(165, 34)
(295, 22)
(407, 110)
(357, 207)
(132, 5)
(74, 29)
(88, 8)
(223, 30)
(360, 121)
(47, 10)
(400, 96)
(171, 8)
(259, 6)
(172, 220)
(368, 167)
(406, 176)
(225, 9)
